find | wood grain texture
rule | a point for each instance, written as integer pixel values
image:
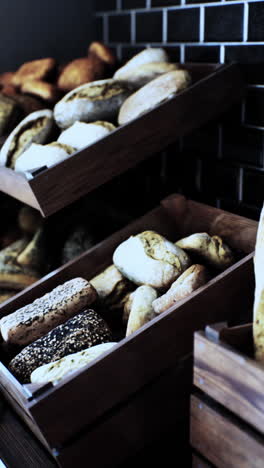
(217, 88)
(223, 440)
(231, 378)
(147, 353)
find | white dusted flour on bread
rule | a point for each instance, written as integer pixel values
(82, 134)
(143, 74)
(35, 128)
(148, 55)
(57, 370)
(140, 310)
(258, 318)
(98, 100)
(149, 258)
(43, 155)
(156, 92)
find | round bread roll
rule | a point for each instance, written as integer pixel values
(35, 128)
(156, 92)
(111, 287)
(43, 155)
(212, 250)
(81, 134)
(58, 370)
(149, 258)
(99, 100)
(139, 308)
(149, 55)
(143, 74)
(10, 113)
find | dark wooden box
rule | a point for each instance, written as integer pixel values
(228, 427)
(141, 388)
(214, 89)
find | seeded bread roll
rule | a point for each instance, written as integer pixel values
(212, 250)
(57, 370)
(149, 55)
(35, 128)
(80, 332)
(156, 92)
(143, 74)
(99, 100)
(111, 287)
(81, 134)
(149, 258)
(43, 155)
(35, 320)
(194, 277)
(139, 308)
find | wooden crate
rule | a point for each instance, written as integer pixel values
(214, 89)
(142, 385)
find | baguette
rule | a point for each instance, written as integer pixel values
(194, 277)
(34, 320)
(80, 332)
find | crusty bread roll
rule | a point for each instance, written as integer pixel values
(43, 155)
(149, 55)
(156, 92)
(10, 113)
(111, 287)
(34, 320)
(101, 51)
(82, 134)
(34, 70)
(212, 250)
(80, 332)
(6, 78)
(46, 91)
(149, 258)
(258, 317)
(80, 71)
(57, 370)
(192, 278)
(99, 100)
(35, 128)
(139, 308)
(143, 74)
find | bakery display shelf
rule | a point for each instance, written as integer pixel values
(214, 89)
(141, 387)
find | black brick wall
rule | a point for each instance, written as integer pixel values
(223, 162)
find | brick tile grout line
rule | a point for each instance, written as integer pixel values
(240, 184)
(201, 37)
(165, 26)
(133, 26)
(245, 23)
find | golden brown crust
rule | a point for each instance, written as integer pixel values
(34, 70)
(6, 78)
(102, 51)
(9, 90)
(80, 71)
(42, 89)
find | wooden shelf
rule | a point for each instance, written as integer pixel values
(214, 89)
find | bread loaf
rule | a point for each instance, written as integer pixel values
(38, 156)
(149, 258)
(139, 308)
(35, 128)
(80, 332)
(34, 70)
(81, 134)
(46, 91)
(111, 287)
(149, 55)
(258, 317)
(143, 74)
(211, 250)
(156, 92)
(57, 370)
(35, 320)
(99, 100)
(194, 277)
(101, 51)
(80, 71)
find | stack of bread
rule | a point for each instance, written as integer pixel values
(94, 106)
(57, 334)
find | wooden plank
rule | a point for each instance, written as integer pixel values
(215, 91)
(223, 440)
(17, 186)
(231, 378)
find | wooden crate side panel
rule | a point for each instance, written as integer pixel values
(230, 378)
(224, 441)
(140, 357)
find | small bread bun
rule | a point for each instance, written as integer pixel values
(102, 52)
(99, 100)
(145, 56)
(46, 91)
(35, 128)
(157, 91)
(81, 134)
(140, 308)
(111, 287)
(34, 70)
(10, 113)
(43, 155)
(80, 71)
(143, 74)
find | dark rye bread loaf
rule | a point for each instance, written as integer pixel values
(80, 332)
(35, 320)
